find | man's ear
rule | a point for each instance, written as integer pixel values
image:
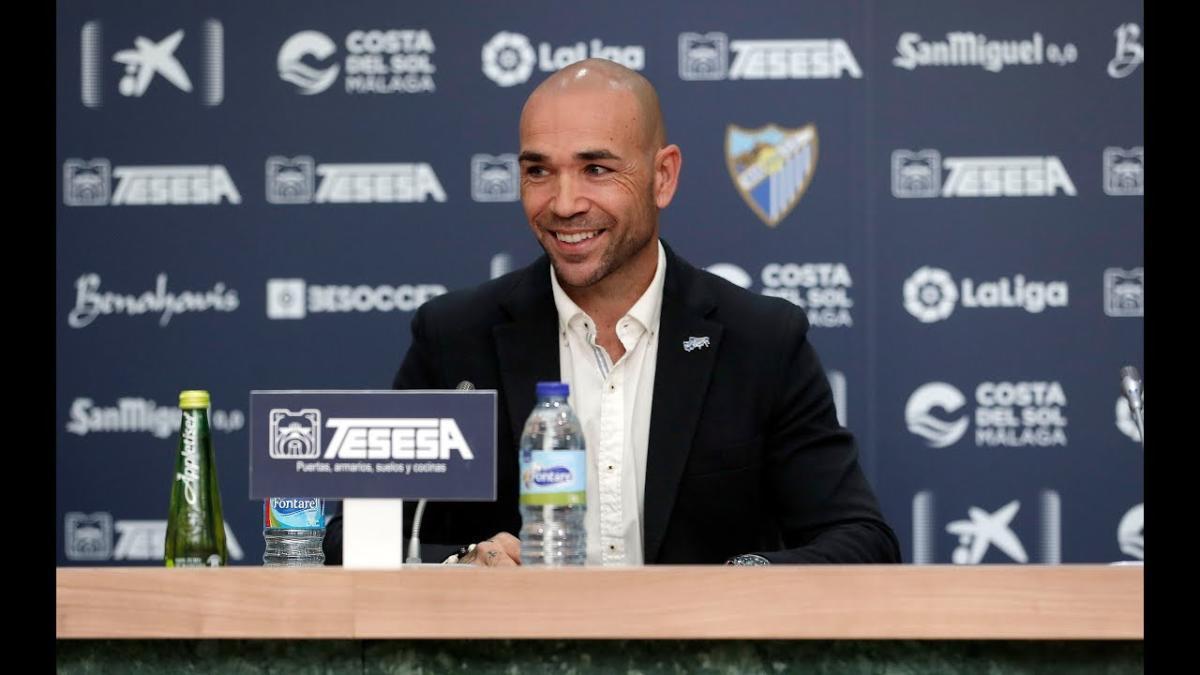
(667, 163)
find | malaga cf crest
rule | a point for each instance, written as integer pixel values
(771, 166)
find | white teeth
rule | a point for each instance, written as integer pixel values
(575, 238)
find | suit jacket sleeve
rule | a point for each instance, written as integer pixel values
(826, 510)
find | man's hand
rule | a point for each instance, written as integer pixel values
(502, 550)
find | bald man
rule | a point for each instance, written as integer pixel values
(710, 425)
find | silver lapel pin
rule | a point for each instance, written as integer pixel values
(695, 343)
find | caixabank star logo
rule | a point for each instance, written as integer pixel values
(771, 167)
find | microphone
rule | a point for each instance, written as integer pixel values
(414, 542)
(1131, 387)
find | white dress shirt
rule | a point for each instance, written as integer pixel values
(612, 401)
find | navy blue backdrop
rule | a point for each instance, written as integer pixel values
(258, 195)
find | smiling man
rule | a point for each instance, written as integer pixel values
(710, 425)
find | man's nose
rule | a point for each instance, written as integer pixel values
(568, 201)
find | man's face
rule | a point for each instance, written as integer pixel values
(587, 182)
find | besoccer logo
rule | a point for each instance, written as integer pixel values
(918, 414)
(308, 43)
(295, 435)
(1124, 171)
(495, 178)
(86, 183)
(508, 59)
(916, 174)
(703, 56)
(930, 294)
(290, 180)
(89, 536)
(285, 298)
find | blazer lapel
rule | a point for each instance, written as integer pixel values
(681, 381)
(527, 347)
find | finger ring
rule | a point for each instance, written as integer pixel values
(465, 553)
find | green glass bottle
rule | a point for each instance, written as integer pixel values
(195, 526)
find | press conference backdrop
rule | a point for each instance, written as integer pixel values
(259, 195)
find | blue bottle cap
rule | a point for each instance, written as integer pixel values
(553, 389)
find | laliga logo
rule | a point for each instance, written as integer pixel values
(930, 294)
(508, 59)
(918, 414)
(292, 68)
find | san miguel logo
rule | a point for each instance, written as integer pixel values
(771, 167)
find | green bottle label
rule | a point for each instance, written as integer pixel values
(195, 526)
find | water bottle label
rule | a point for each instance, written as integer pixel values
(553, 477)
(294, 514)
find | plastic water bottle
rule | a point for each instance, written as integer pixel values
(553, 475)
(293, 530)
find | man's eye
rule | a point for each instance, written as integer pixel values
(596, 169)
(535, 171)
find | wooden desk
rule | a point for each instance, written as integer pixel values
(1018, 602)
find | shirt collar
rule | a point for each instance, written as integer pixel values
(646, 311)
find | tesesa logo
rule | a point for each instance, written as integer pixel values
(919, 175)
(89, 183)
(409, 438)
(703, 56)
(295, 435)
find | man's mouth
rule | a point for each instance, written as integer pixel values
(576, 237)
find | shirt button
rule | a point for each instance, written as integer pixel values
(612, 387)
(610, 467)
